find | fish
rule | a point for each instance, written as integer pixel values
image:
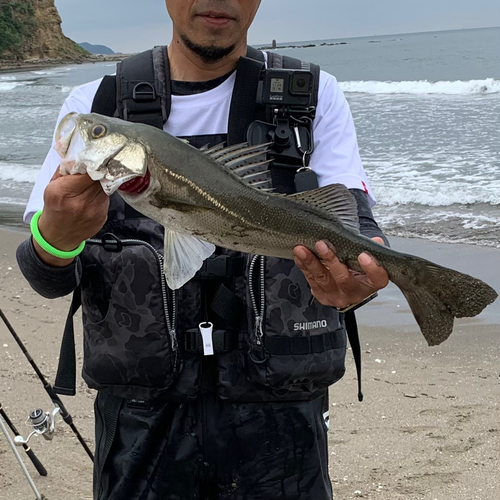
(223, 196)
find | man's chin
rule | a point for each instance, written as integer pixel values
(209, 52)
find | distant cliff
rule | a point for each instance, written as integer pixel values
(96, 49)
(31, 29)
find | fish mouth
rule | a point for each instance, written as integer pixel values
(111, 160)
(65, 133)
(137, 185)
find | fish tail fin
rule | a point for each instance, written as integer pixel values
(436, 295)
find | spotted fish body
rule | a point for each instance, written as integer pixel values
(223, 196)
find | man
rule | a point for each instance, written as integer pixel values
(172, 423)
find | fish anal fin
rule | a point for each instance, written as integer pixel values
(335, 199)
(184, 256)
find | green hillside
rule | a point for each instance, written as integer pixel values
(31, 30)
(17, 24)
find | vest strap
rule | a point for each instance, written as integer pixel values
(351, 327)
(243, 101)
(143, 92)
(105, 99)
(65, 383)
(220, 267)
(223, 341)
(282, 346)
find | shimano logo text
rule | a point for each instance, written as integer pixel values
(311, 325)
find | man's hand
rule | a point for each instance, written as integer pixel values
(334, 284)
(75, 209)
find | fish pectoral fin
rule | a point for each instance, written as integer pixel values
(184, 255)
(335, 199)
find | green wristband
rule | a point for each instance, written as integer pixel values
(47, 246)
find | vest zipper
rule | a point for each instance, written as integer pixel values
(259, 314)
(171, 320)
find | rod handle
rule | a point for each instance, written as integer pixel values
(38, 465)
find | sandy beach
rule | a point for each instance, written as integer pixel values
(429, 428)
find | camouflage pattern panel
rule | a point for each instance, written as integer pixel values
(127, 346)
(303, 347)
(235, 384)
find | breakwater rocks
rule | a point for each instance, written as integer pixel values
(306, 46)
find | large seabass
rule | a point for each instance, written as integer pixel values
(223, 196)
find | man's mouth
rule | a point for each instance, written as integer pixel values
(216, 18)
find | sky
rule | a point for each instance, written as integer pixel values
(134, 25)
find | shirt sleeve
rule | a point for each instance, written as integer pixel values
(50, 282)
(336, 158)
(79, 101)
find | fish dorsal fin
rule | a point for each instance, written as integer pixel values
(335, 199)
(184, 255)
(249, 163)
(243, 151)
(214, 149)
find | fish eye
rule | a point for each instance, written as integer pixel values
(98, 131)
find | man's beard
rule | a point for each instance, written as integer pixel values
(208, 54)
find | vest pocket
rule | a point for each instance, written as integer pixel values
(297, 344)
(128, 347)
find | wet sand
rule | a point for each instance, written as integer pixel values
(429, 427)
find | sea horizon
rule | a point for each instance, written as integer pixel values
(278, 44)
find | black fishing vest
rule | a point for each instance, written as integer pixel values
(272, 340)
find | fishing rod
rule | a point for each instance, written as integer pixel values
(38, 465)
(19, 460)
(56, 400)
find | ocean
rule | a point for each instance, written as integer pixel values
(426, 108)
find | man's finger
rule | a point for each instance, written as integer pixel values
(339, 272)
(77, 184)
(57, 174)
(376, 274)
(313, 269)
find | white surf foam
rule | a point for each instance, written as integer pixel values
(7, 86)
(51, 71)
(487, 86)
(436, 196)
(18, 172)
(65, 89)
(13, 201)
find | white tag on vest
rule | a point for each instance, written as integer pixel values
(206, 330)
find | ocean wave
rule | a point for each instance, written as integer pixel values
(64, 88)
(6, 86)
(478, 224)
(437, 197)
(487, 86)
(18, 172)
(466, 239)
(13, 201)
(53, 71)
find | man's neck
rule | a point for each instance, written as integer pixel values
(187, 66)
